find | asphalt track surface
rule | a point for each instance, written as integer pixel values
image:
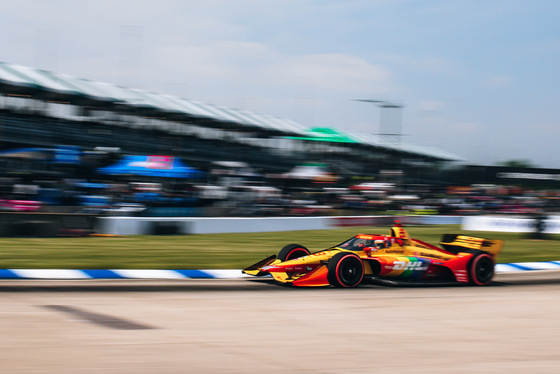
(247, 326)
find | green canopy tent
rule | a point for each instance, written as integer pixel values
(326, 134)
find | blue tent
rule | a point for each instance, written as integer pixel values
(151, 166)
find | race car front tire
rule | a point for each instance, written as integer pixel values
(481, 268)
(292, 251)
(345, 270)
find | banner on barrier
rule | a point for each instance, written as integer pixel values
(548, 225)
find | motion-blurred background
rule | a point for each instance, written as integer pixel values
(208, 109)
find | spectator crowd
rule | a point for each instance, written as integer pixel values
(232, 195)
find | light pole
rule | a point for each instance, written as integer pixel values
(390, 130)
(390, 119)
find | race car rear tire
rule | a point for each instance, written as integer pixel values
(481, 268)
(292, 251)
(345, 270)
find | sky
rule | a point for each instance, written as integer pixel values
(479, 79)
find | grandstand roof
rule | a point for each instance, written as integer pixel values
(326, 134)
(17, 79)
(22, 80)
(330, 135)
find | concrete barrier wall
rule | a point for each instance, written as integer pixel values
(217, 225)
(349, 221)
(40, 224)
(432, 220)
(204, 225)
(213, 225)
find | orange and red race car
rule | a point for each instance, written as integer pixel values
(462, 259)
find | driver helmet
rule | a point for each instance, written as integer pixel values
(379, 243)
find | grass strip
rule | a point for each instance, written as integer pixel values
(225, 251)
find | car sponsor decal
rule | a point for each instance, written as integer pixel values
(468, 242)
(404, 267)
(367, 237)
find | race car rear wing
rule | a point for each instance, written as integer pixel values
(456, 243)
(398, 231)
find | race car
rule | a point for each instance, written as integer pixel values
(396, 257)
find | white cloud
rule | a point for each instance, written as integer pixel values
(465, 128)
(497, 81)
(430, 106)
(344, 74)
(258, 77)
(421, 63)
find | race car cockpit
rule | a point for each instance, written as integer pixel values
(366, 242)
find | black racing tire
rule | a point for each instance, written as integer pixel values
(292, 251)
(345, 269)
(481, 268)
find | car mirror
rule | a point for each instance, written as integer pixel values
(368, 250)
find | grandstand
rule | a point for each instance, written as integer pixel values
(44, 109)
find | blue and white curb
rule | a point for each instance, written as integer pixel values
(119, 274)
(201, 274)
(527, 266)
